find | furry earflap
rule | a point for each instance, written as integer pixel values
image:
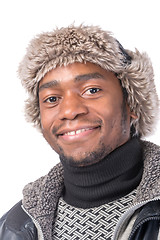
(91, 44)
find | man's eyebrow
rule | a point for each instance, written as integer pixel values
(89, 76)
(83, 77)
(50, 84)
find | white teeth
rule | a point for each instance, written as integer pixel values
(70, 133)
(79, 131)
(76, 132)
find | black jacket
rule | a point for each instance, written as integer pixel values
(19, 227)
(146, 226)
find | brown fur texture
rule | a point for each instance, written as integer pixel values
(91, 44)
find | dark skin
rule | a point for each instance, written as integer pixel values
(83, 113)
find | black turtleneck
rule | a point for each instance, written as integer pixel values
(109, 179)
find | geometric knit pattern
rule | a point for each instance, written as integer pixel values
(98, 223)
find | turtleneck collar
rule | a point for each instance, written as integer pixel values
(109, 179)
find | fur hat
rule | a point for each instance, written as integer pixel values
(91, 44)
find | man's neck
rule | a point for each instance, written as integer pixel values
(111, 178)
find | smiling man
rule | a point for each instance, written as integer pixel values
(93, 101)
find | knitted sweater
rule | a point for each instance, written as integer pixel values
(94, 194)
(93, 223)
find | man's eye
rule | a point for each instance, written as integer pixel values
(51, 100)
(93, 90)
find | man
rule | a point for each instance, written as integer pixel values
(93, 101)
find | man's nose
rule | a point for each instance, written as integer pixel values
(71, 107)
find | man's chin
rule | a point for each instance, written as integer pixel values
(76, 162)
(85, 158)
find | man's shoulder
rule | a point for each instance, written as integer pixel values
(151, 151)
(16, 224)
(15, 217)
(149, 187)
(43, 186)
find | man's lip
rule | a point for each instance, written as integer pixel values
(75, 130)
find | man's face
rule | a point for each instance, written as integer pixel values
(83, 113)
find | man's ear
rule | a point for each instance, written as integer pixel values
(133, 115)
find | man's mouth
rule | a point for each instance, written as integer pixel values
(77, 131)
(77, 134)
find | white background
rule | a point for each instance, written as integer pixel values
(24, 154)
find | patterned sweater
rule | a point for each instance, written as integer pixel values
(96, 223)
